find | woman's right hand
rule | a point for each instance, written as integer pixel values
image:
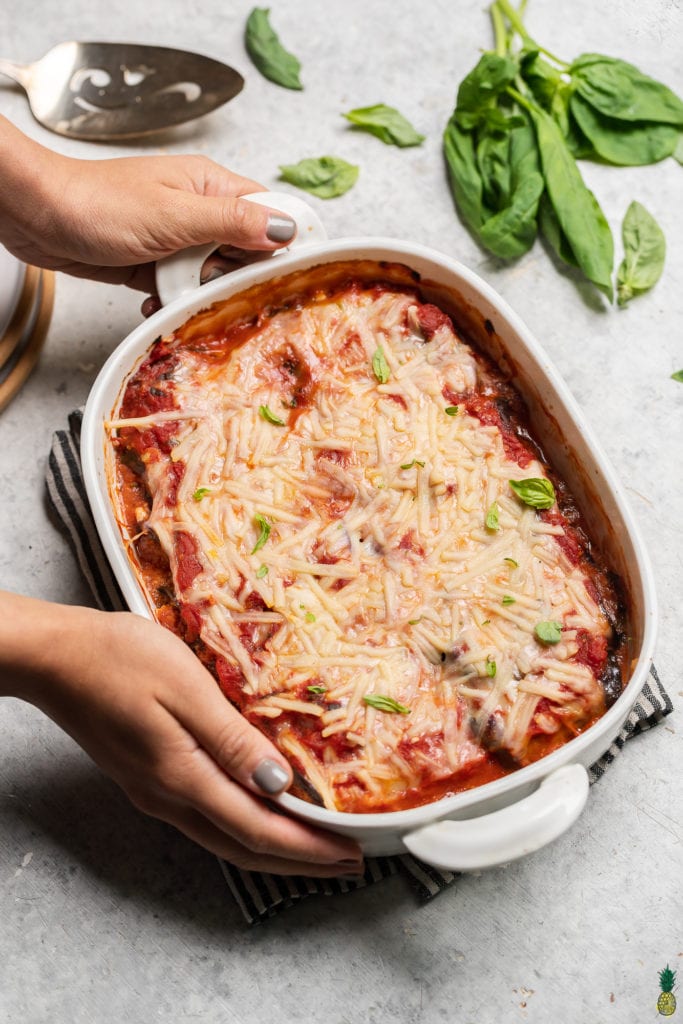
(141, 704)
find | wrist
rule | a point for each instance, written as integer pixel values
(41, 644)
(30, 175)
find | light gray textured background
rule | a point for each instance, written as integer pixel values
(106, 916)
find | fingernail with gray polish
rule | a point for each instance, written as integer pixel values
(270, 777)
(280, 228)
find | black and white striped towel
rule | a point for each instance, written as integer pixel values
(259, 895)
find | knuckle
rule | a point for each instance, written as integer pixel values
(143, 800)
(240, 221)
(234, 748)
(259, 842)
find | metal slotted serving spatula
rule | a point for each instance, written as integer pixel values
(109, 91)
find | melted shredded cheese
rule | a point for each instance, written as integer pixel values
(382, 578)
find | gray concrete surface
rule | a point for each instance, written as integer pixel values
(106, 916)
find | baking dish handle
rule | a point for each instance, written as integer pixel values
(507, 834)
(178, 274)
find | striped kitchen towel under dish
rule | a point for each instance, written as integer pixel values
(259, 895)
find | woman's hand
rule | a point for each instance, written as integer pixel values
(149, 714)
(111, 219)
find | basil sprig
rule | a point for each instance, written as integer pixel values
(644, 252)
(388, 704)
(380, 366)
(267, 52)
(387, 123)
(522, 119)
(549, 632)
(678, 375)
(266, 414)
(491, 521)
(264, 534)
(536, 491)
(323, 176)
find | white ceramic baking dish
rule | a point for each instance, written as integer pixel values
(523, 811)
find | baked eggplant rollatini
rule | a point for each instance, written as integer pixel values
(336, 500)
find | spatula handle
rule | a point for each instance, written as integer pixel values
(17, 72)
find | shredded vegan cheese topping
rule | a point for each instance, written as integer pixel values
(386, 575)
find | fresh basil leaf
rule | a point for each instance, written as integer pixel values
(508, 599)
(451, 410)
(380, 366)
(261, 572)
(620, 90)
(491, 667)
(627, 144)
(549, 632)
(267, 52)
(483, 84)
(387, 123)
(577, 209)
(317, 689)
(678, 151)
(644, 253)
(578, 145)
(536, 491)
(381, 703)
(270, 417)
(324, 176)
(678, 375)
(491, 520)
(200, 493)
(493, 119)
(415, 462)
(553, 233)
(542, 77)
(263, 536)
(511, 233)
(524, 158)
(464, 177)
(494, 168)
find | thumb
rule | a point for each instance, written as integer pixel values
(243, 752)
(231, 221)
